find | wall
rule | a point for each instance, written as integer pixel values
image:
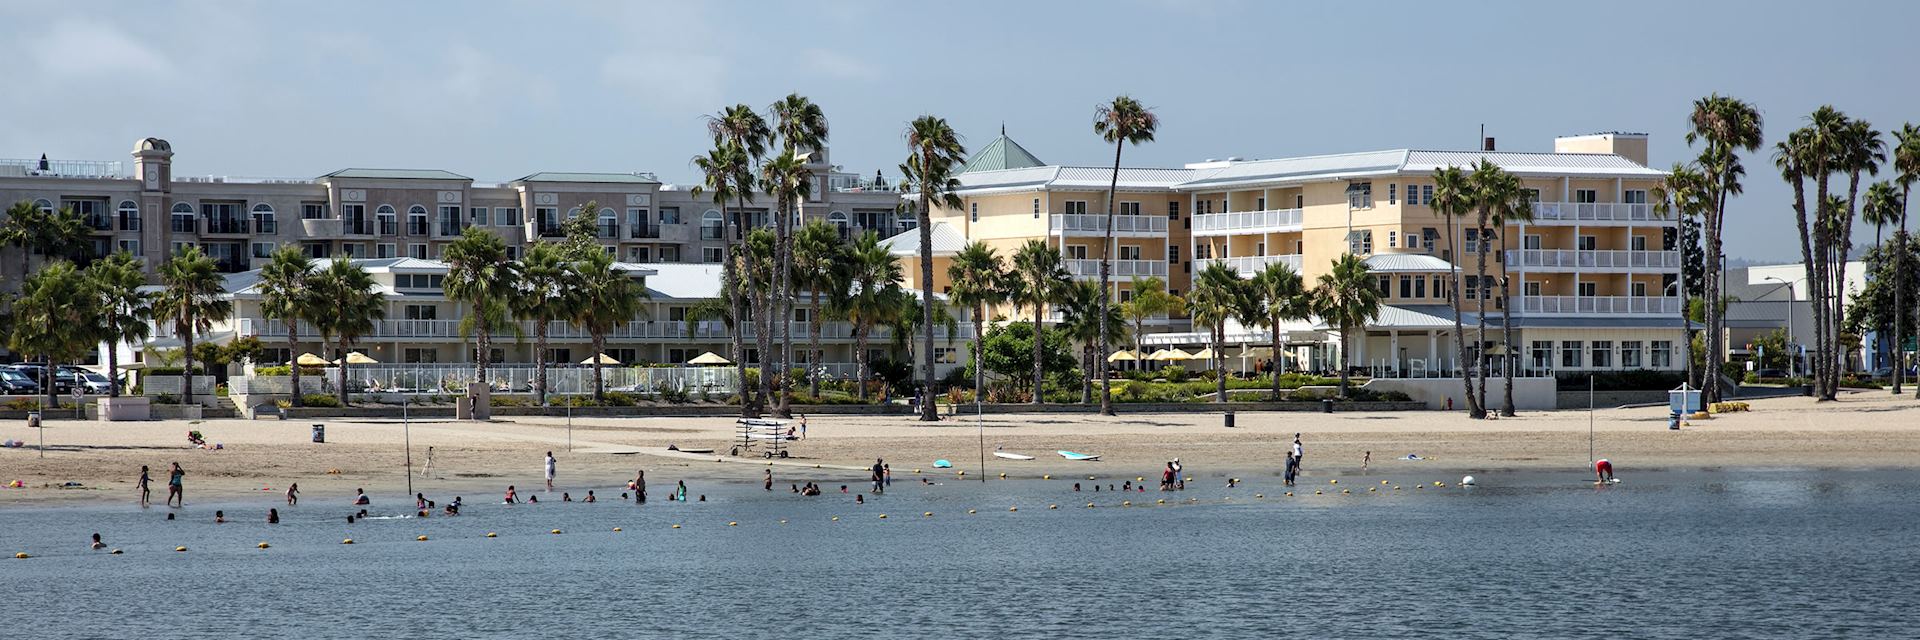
(1529, 394)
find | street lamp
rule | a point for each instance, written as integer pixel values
(1686, 335)
(1793, 355)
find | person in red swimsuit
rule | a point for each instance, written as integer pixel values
(1603, 470)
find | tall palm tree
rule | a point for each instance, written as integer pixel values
(978, 280)
(286, 294)
(871, 270)
(819, 264)
(726, 175)
(1727, 126)
(1080, 318)
(790, 181)
(802, 127)
(22, 229)
(1453, 197)
(1042, 279)
(480, 274)
(1882, 207)
(608, 296)
(1279, 296)
(56, 318)
(1498, 197)
(1219, 295)
(1346, 299)
(125, 312)
(1683, 193)
(353, 306)
(1150, 298)
(934, 150)
(1861, 151)
(193, 299)
(547, 290)
(742, 128)
(1121, 122)
(1906, 166)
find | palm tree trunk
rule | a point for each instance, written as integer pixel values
(1899, 286)
(1346, 375)
(737, 335)
(1039, 378)
(599, 385)
(1506, 327)
(113, 370)
(484, 343)
(979, 353)
(1273, 359)
(1459, 332)
(927, 411)
(540, 360)
(783, 301)
(860, 356)
(343, 372)
(1219, 377)
(1807, 256)
(1106, 273)
(186, 339)
(736, 245)
(1824, 249)
(1480, 336)
(813, 360)
(293, 346)
(1086, 383)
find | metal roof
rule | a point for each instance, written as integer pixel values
(947, 241)
(1303, 169)
(1589, 164)
(397, 174)
(1398, 262)
(1002, 153)
(592, 178)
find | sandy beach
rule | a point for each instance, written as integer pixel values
(1862, 430)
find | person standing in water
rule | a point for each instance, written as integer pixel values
(680, 491)
(513, 497)
(97, 544)
(550, 463)
(175, 489)
(879, 475)
(146, 491)
(293, 494)
(640, 487)
(769, 483)
(1602, 470)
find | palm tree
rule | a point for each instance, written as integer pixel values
(1727, 126)
(124, 310)
(787, 177)
(1150, 298)
(1861, 151)
(1499, 198)
(1219, 295)
(978, 280)
(286, 294)
(1279, 296)
(802, 126)
(819, 265)
(22, 229)
(1346, 299)
(725, 174)
(1042, 279)
(1906, 165)
(1882, 207)
(1453, 198)
(871, 270)
(547, 290)
(1121, 122)
(1080, 318)
(1683, 193)
(480, 274)
(608, 297)
(51, 318)
(933, 152)
(352, 307)
(742, 129)
(192, 300)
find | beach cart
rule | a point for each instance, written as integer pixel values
(768, 436)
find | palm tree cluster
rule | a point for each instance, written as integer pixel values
(58, 234)
(1495, 199)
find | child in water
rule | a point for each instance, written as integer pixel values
(97, 544)
(273, 516)
(590, 495)
(512, 497)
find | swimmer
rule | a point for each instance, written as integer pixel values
(859, 498)
(1233, 482)
(533, 499)
(1127, 486)
(453, 508)
(512, 497)
(794, 488)
(362, 515)
(97, 544)
(169, 516)
(293, 494)
(566, 497)
(360, 497)
(1602, 471)
(769, 483)
(590, 497)
(843, 488)
(273, 516)
(703, 497)
(419, 501)
(349, 519)
(219, 517)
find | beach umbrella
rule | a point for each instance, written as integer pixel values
(310, 360)
(709, 358)
(1171, 354)
(1204, 354)
(1122, 356)
(360, 358)
(602, 358)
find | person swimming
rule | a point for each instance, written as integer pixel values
(513, 497)
(219, 517)
(533, 499)
(859, 498)
(590, 497)
(419, 501)
(566, 497)
(360, 497)
(97, 544)
(273, 516)
(453, 508)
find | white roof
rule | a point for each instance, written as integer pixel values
(685, 281)
(947, 241)
(1397, 262)
(1304, 169)
(1586, 164)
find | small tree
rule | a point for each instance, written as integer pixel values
(56, 318)
(353, 308)
(125, 310)
(193, 299)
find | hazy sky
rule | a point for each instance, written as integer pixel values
(497, 90)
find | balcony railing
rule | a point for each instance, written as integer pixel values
(1078, 223)
(558, 330)
(1605, 305)
(227, 225)
(1249, 265)
(1247, 221)
(1568, 259)
(609, 230)
(356, 227)
(99, 221)
(1122, 269)
(1545, 212)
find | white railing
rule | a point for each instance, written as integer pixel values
(1613, 305)
(1246, 221)
(62, 168)
(1097, 223)
(452, 379)
(1249, 265)
(1612, 259)
(560, 330)
(1544, 212)
(1122, 269)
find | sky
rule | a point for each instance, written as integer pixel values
(498, 90)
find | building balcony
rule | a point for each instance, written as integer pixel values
(1570, 213)
(1096, 224)
(1599, 305)
(561, 331)
(227, 226)
(1249, 265)
(1122, 269)
(357, 227)
(1555, 259)
(321, 228)
(1270, 221)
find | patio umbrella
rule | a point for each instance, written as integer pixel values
(1204, 354)
(1122, 356)
(1261, 352)
(1170, 354)
(602, 358)
(360, 358)
(709, 358)
(310, 360)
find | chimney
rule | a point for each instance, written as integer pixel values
(1486, 144)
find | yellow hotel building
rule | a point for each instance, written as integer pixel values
(1592, 275)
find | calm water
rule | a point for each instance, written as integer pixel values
(1785, 554)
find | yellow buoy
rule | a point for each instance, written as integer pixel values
(1089, 477)
(179, 548)
(963, 473)
(969, 512)
(421, 538)
(1289, 494)
(883, 516)
(1053, 507)
(347, 541)
(1139, 478)
(783, 521)
(678, 526)
(491, 534)
(556, 532)
(1047, 477)
(1259, 495)
(1372, 489)
(617, 529)
(115, 552)
(1334, 481)
(1160, 501)
(1089, 505)
(1396, 487)
(816, 466)
(1193, 499)
(915, 470)
(1419, 486)
(1316, 492)
(1129, 503)
(1346, 491)
(1437, 483)
(736, 524)
(835, 519)
(1003, 476)
(928, 514)
(1013, 508)
(22, 555)
(1383, 482)
(264, 545)
(1187, 479)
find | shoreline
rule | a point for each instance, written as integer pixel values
(1863, 431)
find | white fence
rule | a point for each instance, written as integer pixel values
(1246, 221)
(1122, 269)
(1544, 212)
(1097, 223)
(1563, 258)
(452, 379)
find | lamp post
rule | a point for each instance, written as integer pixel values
(1686, 335)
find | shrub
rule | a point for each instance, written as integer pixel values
(675, 395)
(23, 404)
(1859, 383)
(281, 370)
(506, 401)
(172, 371)
(166, 398)
(620, 399)
(1174, 374)
(1727, 407)
(320, 401)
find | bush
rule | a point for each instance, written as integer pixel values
(23, 404)
(620, 399)
(1727, 407)
(320, 401)
(1859, 383)
(166, 398)
(506, 401)
(172, 371)
(1174, 374)
(675, 395)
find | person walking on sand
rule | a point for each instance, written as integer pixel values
(146, 490)
(1366, 460)
(175, 490)
(1299, 453)
(803, 427)
(293, 494)
(550, 463)
(427, 470)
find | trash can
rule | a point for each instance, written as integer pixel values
(1673, 421)
(320, 433)
(1229, 419)
(1326, 405)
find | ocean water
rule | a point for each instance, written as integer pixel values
(1777, 554)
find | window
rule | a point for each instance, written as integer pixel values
(1406, 286)
(975, 211)
(1634, 196)
(1542, 355)
(669, 254)
(1473, 292)
(1173, 253)
(1419, 286)
(711, 227)
(45, 205)
(1426, 194)
(1589, 289)
(1360, 242)
(128, 245)
(384, 250)
(422, 312)
(1203, 252)
(1360, 195)
(639, 254)
(412, 355)
(1126, 296)
(1386, 286)
(608, 224)
(670, 215)
(385, 221)
(316, 250)
(1393, 238)
(1630, 354)
(676, 314)
(263, 249)
(1260, 203)
(1588, 243)
(180, 247)
(1473, 240)
(1129, 252)
(710, 254)
(1640, 289)
(1570, 354)
(417, 251)
(1076, 207)
(1036, 208)
(477, 216)
(1440, 286)
(1299, 201)
(450, 220)
(1530, 242)
(639, 225)
(1393, 193)
(182, 219)
(1173, 209)
(1530, 288)
(1586, 196)
(506, 216)
(129, 216)
(1129, 208)
(417, 221)
(513, 252)
(1637, 243)
(548, 219)
(946, 355)
(354, 250)
(313, 210)
(263, 221)
(418, 280)
(1662, 356)
(1602, 354)
(1076, 252)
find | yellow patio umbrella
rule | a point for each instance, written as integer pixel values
(1170, 354)
(360, 358)
(602, 358)
(1260, 352)
(709, 358)
(1204, 354)
(310, 360)
(1122, 356)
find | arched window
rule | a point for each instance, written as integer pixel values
(415, 210)
(182, 208)
(711, 225)
(838, 218)
(609, 224)
(44, 205)
(181, 221)
(129, 216)
(263, 209)
(263, 221)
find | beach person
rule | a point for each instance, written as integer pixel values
(1166, 478)
(1076, 487)
(680, 491)
(1365, 460)
(273, 516)
(146, 492)
(219, 517)
(533, 499)
(550, 463)
(887, 472)
(1293, 468)
(428, 469)
(419, 501)
(1602, 470)
(640, 487)
(293, 494)
(769, 482)
(453, 508)
(859, 498)
(590, 497)
(176, 491)
(879, 475)
(512, 496)
(360, 497)
(566, 497)
(1299, 452)
(803, 427)
(1233, 482)
(97, 544)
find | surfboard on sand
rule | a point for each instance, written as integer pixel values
(1011, 456)
(1077, 456)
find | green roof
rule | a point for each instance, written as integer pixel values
(602, 178)
(1002, 153)
(401, 174)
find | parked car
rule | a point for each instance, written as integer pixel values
(90, 381)
(14, 383)
(1882, 373)
(1770, 373)
(62, 381)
